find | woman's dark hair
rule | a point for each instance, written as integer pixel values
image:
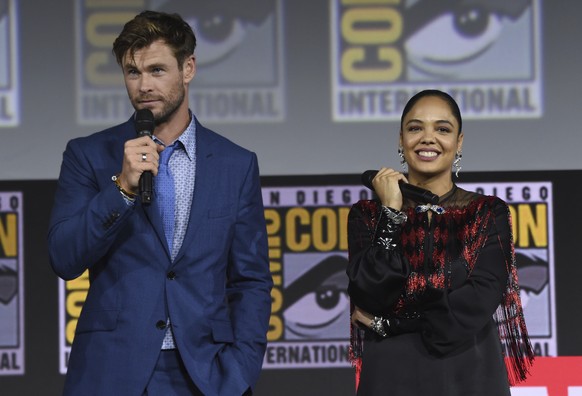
(150, 26)
(439, 94)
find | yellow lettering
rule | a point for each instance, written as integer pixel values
(75, 302)
(354, 23)
(9, 234)
(273, 220)
(77, 290)
(371, 30)
(353, 56)
(95, 66)
(101, 29)
(277, 281)
(277, 298)
(343, 228)
(328, 217)
(533, 226)
(99, 23)
(70, 330)
(296, 240)
(274, 266)
(81, 283)
(275, 328)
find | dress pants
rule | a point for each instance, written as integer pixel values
(170, 377)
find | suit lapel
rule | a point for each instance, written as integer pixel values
(152, 212)
(206, 177)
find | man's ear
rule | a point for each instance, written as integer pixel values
(189, 68)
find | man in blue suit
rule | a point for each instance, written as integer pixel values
(179, 301)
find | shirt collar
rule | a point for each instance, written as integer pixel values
(187, 139)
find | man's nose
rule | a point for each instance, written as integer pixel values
(145, 83)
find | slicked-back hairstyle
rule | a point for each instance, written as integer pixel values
(439, 94)
(150, 26)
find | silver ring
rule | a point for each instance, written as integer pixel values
(144, 157)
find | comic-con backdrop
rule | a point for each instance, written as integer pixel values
(309, 331)
(312, 86)
(315, 88)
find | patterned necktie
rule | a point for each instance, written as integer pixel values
(165, 194)
(166, 202)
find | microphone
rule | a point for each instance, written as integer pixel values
(409, 191)
(144, 126)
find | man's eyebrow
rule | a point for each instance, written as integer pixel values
(156, 65)
(129, 65)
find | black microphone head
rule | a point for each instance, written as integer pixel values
(144, 122)
(367, 178)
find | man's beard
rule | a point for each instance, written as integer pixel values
(169, 109)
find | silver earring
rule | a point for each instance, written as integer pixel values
(402, 159)
(457, 163)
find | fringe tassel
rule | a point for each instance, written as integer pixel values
(517, 348)
(358, 367)
(356, 348)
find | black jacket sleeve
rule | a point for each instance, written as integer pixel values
(377, 274)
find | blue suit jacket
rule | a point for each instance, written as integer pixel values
(218, 297)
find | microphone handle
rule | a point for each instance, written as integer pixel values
(409, 191)
(146, 187)
(418, 194)
(146, 179)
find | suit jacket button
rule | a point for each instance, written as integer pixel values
(161, 324)
(171, 275)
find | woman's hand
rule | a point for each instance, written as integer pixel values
(386, 187)
(361, 318)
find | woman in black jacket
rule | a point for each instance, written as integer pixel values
(434, 292)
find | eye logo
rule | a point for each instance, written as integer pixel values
(536, 289)
(316, 304)
(310, 310)
(459, 40)
(219, 37)
(223, 26)
(240, 59)
(8, 284)
(486, 54)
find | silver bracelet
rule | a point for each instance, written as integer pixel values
(395, 216)
(377, 326)
(387, 234)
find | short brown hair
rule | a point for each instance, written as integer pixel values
(150, 26)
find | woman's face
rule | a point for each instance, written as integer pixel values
(430, 138)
